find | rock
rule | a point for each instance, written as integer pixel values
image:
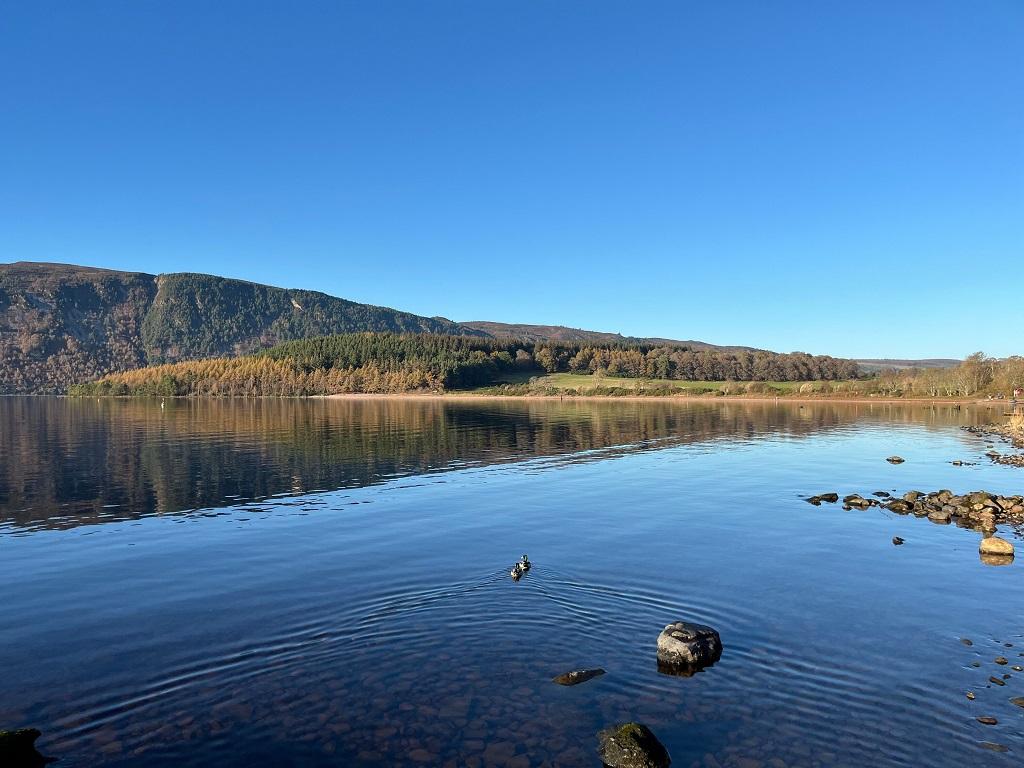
(18, 750)
(912, 496)
(992, 746)
(688, 647)
(882, 494)
(897, 540)
(577, 676)
(996, 681)
(831, 498)
(939, 516)
(631, 745)
(970, 695)
(895, 459)
(1019, 701)
(987, 720)
(966, 641)
(1002, 660)
(993, 545)
(898, 505)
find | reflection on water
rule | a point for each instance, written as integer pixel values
(375, 624)
(65, 461)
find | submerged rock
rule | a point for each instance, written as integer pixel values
(895, 459)
(18, 749)
(993, 747)
(577, 676)
(987, 720)
(1019, 701)
(993, 545)
(897, 540)
(686, 648)
(631, 745)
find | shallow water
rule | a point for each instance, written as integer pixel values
(325, 583)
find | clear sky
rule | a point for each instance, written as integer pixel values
(830, 176)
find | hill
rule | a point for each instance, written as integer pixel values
(566, 334)
(62, 324)
(885, 364)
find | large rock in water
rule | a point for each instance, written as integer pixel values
(993, 545)
(18, 749)
(688, 647)
(631, 745)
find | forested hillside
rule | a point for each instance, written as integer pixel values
(386, 362)
(62, 324)
(195, 316)
(579, 335)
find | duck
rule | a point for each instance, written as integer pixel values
(524, 563)
(517, 571)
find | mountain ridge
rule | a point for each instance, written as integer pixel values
(62, 324)
(531, 332)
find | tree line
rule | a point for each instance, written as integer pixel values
(391, 362)
(978, 374)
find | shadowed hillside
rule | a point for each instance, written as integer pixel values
(62, 324)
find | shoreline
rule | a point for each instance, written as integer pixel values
(469, 396)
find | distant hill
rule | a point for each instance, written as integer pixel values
(563, 333)
(62, 324)
(884, 364)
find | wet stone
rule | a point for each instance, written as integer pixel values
(688, 647)
(631, 745)
(993, 545)
(987, 720)
(18, 750)
(577, 676)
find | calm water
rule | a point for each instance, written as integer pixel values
(325, 583)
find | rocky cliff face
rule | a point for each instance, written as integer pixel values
(62, 324)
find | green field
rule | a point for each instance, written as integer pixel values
(584, 382)
(527, 383)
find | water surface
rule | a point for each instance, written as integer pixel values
(291, 582)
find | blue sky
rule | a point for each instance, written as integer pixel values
(835, 177)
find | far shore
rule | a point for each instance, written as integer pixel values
(849, 400)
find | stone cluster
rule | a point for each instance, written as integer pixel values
(981, 510)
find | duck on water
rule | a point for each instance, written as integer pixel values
(520, 568)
